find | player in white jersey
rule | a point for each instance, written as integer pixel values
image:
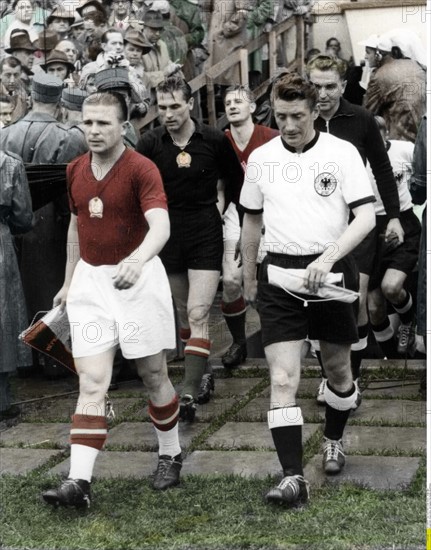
(305, 183)
(394, 260)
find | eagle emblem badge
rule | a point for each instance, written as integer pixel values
(325, 184)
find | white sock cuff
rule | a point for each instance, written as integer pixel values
(384, 335)
(339, 403)
(285, 416)
(406, 308)
(361, 344)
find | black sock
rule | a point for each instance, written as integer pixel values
(405, 309)
(336, 419)
(234, 315)
(285, 424)
(384, 334)
(288, 444)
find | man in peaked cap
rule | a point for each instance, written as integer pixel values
(38, 138)
(71, 105)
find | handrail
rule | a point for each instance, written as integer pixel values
(206, 78)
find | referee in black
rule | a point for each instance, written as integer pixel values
(200, 171)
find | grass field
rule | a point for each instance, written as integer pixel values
(211, 512)
(223, 512)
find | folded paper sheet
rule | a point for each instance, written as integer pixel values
(292, 281)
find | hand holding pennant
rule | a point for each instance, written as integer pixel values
(51, 335)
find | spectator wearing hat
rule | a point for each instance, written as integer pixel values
(397, 89)
(121, 15)
(370, 57)
(157, 63)
(12, 86)
(38, 138)
(21, 48)
(26, 15)
(90, 6)
(77, 27)
(135, 46)
(71, 105)
(58, 65)
(45, 43)
(60, 20)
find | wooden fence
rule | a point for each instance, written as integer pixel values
(278, 41)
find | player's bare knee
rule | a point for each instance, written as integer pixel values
(392, 291)
(283, 383)
(231, 288)
(91, 399)
(198, 315)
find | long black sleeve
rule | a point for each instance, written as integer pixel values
(382, 170)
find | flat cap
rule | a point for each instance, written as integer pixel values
(73, 98)
(112, 79)
(46, 88)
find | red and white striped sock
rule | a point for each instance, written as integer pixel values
(165, 421)
(87, 437)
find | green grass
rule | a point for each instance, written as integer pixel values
(224, 512)
(215, 513)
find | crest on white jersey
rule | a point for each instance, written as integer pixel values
(325, 184)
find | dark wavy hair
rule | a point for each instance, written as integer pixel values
(292, 86)
(173, 84)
